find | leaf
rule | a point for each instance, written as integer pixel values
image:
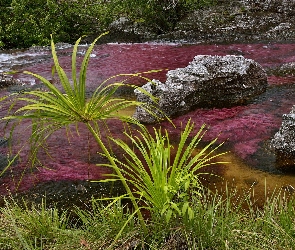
(190, 213)
(185, 208)
(168, 215)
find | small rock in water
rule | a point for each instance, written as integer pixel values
(208, 81)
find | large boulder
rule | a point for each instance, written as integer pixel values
(283, 141)
(208, 81)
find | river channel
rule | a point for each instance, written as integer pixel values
(245, 130)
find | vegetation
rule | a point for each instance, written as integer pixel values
(218, 224)
(24, 23)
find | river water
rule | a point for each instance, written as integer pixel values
(245, 130)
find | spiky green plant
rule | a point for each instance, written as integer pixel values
(165, 184)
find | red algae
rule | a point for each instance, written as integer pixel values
(244, 129)
(112, 59)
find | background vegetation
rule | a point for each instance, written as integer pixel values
(24, 23)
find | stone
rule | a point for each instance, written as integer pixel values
(125, 30)
(6, 80)
(208, 81)
(283, 141)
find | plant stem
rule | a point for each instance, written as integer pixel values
(118, 172)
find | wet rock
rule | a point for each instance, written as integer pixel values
(251, 181)
(4, 142)
(285, 69)
(284, 142)
(6, 80)
(208, 81)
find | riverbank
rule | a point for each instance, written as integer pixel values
(240, 21)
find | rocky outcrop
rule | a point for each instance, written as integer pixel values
(208, 81)
(226, 22)
(238, 21)
(284, 141)
(124, 30)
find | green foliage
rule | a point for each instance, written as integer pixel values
(32, 227)
(163, 180)
(108, 223)
(221, 221)
(24, 23)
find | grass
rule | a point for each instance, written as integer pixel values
(218, 224)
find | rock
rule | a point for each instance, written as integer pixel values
(284, 141)
(6, 80)
(238, 21)
(124, 30)
(208, 81)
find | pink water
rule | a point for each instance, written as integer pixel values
(246, 130)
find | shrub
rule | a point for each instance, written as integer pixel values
(24, 23)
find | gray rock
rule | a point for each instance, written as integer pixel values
(284, 140)
(124, 30)
(238, 21)
(208, 81)
(6, 80)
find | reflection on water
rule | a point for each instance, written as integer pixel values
(246, 129)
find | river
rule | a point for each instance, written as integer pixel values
(246, 130)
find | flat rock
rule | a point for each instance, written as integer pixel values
(208, 81)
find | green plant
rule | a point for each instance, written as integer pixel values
(165, 185)
(32, 227)
(110, 223)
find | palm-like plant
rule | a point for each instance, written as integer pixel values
(57, 108)
(165, 183)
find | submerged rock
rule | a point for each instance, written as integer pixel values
(208, 81)
(284, 141)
